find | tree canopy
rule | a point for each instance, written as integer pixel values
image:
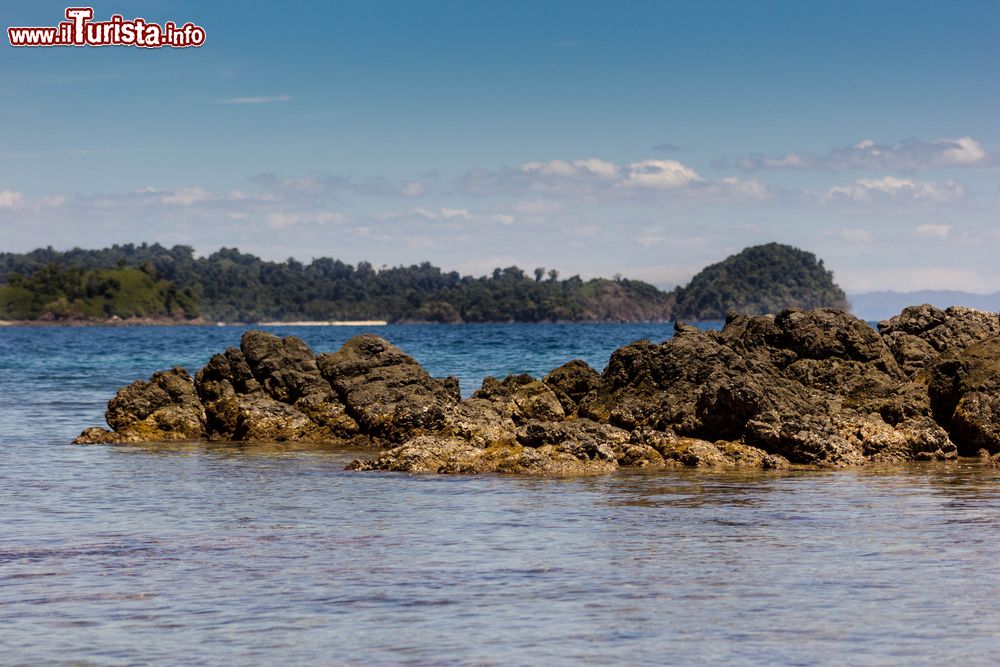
(228, 285)
(759, 280)
(152, 281)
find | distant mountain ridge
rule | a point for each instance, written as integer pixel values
(883, 304)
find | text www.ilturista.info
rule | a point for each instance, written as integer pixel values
(80, 30)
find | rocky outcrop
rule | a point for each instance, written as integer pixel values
(164, 408)
(964, 388)
(386, 391)
(815, 388)
(571, 382)
(272, 389)
(920, 334)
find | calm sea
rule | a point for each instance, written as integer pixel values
(210, 554)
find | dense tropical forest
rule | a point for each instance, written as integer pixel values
(152, 282)
(759, 280)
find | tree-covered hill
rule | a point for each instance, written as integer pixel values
(152, 281)
(760, 279)
(53, 293)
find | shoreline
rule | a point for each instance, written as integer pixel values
(321, 323)
(292, 323)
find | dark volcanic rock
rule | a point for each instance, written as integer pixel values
(964, 390)
(271, 389)
(443, 454)
(521, 397)
(388, 393)
(164, 408)
(805, 385)
(285, 367)
(571, 382)
(817, 388)
(920, 334)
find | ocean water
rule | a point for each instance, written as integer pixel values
(213, 554)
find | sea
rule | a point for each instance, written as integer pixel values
(214, 554)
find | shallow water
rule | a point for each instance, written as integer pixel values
(208, 554)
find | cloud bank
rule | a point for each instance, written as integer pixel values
(908, 156)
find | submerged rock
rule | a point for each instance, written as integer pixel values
(815, 388)
(444, 454)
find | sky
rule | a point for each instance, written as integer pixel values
(646, 139)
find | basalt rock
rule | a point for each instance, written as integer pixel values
(386, 391)
(521, 398)
(920, 334)
(271, 389)
(443, 454)
(165, 407)
(571, 382)
(964, 390)
(816, 388)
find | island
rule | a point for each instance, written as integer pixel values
(149, 284)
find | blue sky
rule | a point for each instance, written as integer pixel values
(647, 139)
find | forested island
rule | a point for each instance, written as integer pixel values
(149, 282)
(759, 280)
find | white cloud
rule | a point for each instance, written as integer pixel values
(913, 155)
(10, 199)
(659, 174)
(751, 189)
(963, 151)
(593, 180)
(271, 99)
(892, 188)
(186, 196)
(449, 213)
(413, 189)
(908, 278)
(856, 235)
(280, 220)
(576, 168)
(932, 231)
(443, 213)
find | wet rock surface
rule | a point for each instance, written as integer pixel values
(814, 388)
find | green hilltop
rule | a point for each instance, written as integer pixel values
(759, 280)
